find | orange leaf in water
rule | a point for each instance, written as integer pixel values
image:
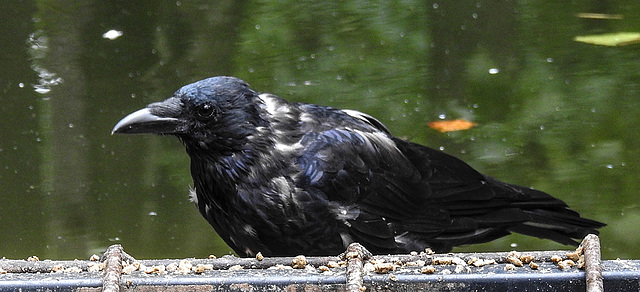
(451, 125)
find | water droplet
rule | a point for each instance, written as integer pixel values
(112, 34)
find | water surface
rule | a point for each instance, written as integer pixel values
(552, 113)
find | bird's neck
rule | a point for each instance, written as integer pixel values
(218, 175)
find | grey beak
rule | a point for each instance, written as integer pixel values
(157, 118)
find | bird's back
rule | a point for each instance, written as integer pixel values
(397, 196)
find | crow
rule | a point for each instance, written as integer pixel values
(285, 178)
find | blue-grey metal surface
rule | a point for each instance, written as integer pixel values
(619, 275)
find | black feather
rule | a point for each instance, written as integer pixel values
(287, 178)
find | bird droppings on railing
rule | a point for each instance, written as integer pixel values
(354, 270)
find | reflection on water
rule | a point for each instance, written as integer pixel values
(554, 114)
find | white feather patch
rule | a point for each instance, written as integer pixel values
(401, 238)
(343, 212)
(281, 185)
(356, 114)
(193, 196)
(273, 105)
(346, 239)
(307, 118)
(287, 148)
(367, 119)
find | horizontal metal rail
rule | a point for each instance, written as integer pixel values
(355, 270)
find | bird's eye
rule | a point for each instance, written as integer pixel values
(205, 112)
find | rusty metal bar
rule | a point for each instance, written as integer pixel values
(355, 255)
(593, 263)
(113, 268)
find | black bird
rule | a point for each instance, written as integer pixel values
(286, 178)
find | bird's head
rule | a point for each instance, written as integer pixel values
(214, 114)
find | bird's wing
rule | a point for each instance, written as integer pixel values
(394, 198)
(398, 196)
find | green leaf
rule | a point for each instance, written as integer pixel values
(610, 39)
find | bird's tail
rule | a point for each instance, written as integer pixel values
(557, 226)
(550, 218)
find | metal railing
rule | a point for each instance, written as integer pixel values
(354, 270)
